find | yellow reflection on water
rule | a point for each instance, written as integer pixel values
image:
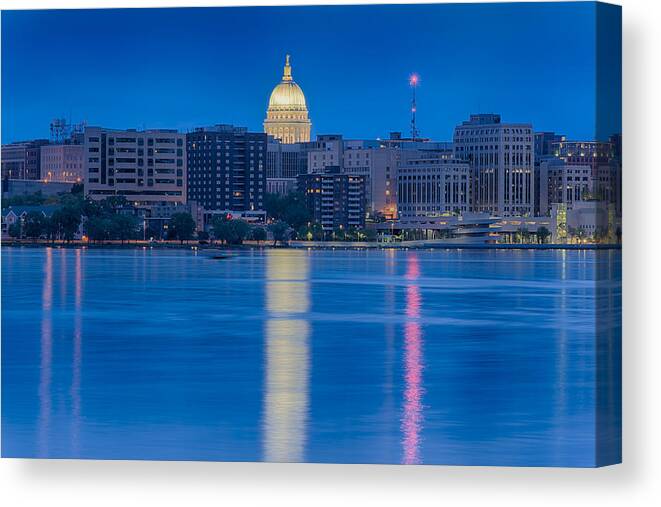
(46, 354)
(77, 354)
(287, 333)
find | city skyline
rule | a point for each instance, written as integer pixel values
(377, 91)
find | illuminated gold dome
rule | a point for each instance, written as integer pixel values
(287, 114)
(287, 94)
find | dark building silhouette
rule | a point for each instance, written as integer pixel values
(226, 168)
(335, 200)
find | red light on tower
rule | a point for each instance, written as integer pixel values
(414, 79)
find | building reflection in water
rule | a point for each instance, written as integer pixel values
(412, 414)
(287, 368)
(77, 354)
(46, 354)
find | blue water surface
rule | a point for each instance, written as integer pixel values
(472, 357)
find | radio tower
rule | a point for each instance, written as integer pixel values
(413, 82)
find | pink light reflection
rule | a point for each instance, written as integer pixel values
(413, 391)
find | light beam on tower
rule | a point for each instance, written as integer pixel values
(413, 82)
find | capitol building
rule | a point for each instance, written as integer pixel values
(287, 114)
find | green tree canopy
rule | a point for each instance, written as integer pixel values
(181, 226)
(35, 225)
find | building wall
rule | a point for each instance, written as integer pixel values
(501, 159)
(429, 184)
(334, 200)
(147, 167)
(62, 162)
(227, 168)
(22, 160)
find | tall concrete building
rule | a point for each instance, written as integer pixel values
(284, 162)
(591, 153)
(501, 159)
(62, 162)
(227, 168)
(147, 167)
(378, 166)
(562, 183)
(335, 200)
(22, 160)
(287, 114)
(543, 149)
(431, 184)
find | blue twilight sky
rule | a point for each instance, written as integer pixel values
(181, 68)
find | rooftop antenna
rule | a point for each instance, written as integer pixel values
(413, 82)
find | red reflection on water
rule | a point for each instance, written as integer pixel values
(412, 417)
(46, 352)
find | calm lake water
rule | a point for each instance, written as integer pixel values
(420, 357)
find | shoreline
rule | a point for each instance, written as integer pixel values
(318, 245)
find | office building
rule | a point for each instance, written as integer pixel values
(432, 184)
(147, 167)
(226, 168)
(22, 160)
(62, 163)
(501, 159)
(335, 200)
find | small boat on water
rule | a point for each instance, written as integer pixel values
(220, 257)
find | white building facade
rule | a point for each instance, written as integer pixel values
(432, 184)
(62, 162)
(501, 158)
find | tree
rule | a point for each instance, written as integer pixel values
(65, 222)
(291, 208)
(124, 227)
(367, 235)
(181, 226)
(311, 232)
(34, 225)
(258, 234)
(99, 228)
(230, 231)
(280, 232)
(543, 233)
(77, 188)
(14, 230)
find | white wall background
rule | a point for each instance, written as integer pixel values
(636, 482)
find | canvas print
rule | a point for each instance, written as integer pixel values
(382, 234)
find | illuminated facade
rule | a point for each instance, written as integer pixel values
(287, 114)
(501, 158)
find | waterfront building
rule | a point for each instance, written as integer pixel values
(287, 114)
(378, 167)
(22, 160)
(62, 163)
(543, 148)
(147, 167)
(326, 151)
(17, 214)
(334, 200)
(280, 186)
(284, 162)
(432, 184)
(226, 168)
(473, 228)
(590, 153)
(13, 188)
(564, 183)
(501, 159)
